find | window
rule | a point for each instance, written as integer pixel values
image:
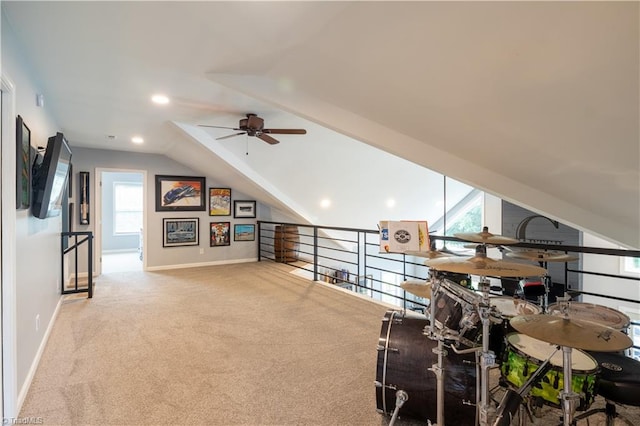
(127, 208)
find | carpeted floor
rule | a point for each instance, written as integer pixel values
(248, 344)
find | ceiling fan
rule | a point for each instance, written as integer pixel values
(254, 126)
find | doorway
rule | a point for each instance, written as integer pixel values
(121, 220)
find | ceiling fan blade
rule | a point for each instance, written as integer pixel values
(268, 139)
(230, 136)
(285, 131)
(218, 127)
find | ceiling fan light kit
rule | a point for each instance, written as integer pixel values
(253, 125)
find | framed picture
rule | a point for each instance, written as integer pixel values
(244, 208)
(244, 232)
(180, 193)
(84, 205)
(180, 232)
(220, 234)
(23, 165)
(219, 201)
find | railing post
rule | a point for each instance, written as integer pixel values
(315, 253)
(259, 241)
(90, 266)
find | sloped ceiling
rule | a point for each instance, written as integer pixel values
(535, 102)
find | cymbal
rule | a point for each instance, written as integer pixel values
(431, 254)
(541, 255)
(485, 237)
(418, 288)
(482, 265)
(571, 332)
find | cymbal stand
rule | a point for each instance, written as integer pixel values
(568, 397)
(438, 370)
(487, 358)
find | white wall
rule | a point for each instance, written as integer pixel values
(37, 243)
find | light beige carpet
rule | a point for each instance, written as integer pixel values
(248, 344)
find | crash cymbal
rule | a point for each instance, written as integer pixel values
(485, 237)
(418, 288)
(482, 265)
(541, 255)
(571, 332)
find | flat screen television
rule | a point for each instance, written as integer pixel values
(50, 174)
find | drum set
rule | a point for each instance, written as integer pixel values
(437, 368)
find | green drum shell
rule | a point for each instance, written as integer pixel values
(548, 388)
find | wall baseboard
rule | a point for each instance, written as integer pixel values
(196, 265)
(36, 360)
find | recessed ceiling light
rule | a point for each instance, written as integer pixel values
(391, 202)
(325, 203)
(160, 99)
(137, 139)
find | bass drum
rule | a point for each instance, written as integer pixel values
(405, 355)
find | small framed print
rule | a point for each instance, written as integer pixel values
(180, 193)
(244, 208)
(244, 232)
(219, 201)
(220, 234)
(180, 232)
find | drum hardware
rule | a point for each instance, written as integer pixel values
(486, 410)
(512, 399)
(401, 398)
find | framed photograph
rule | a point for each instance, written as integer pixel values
(244, 232)
(23, 165)
(220, 234)
(244, 208)
(180, 232)
(180, 193)
(219, 201)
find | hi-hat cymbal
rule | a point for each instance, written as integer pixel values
(541, 255)
(482, 265)
(418, 288)
(485, 237)
(571, 332)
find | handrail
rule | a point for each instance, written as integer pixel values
(324, 251)
(88, 239)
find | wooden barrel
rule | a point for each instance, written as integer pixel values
(286, 243)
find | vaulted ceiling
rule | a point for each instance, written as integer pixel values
(535, 102)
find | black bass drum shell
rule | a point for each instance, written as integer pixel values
(405, 355)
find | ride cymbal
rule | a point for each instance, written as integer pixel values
(418, 288)
(571, 332)
(541, 255)
(485, 237)
(482, 265)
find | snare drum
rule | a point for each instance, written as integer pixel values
(455, 311)
(525, 354)
(603, 315)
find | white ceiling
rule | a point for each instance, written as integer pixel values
(536, 102)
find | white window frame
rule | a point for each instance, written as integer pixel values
(115, 210)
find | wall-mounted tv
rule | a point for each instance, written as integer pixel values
(50, 174)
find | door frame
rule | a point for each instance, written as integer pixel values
(8, 320)
(97, 190)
